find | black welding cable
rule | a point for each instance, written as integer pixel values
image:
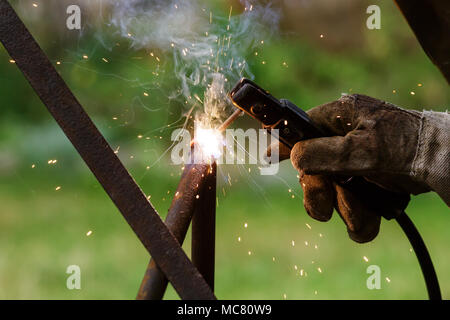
(428, 271)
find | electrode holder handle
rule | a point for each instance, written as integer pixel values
(294, 125)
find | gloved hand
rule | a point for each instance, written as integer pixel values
(365, 137)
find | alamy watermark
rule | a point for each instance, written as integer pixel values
(374, 280)
(73, 21)
(374, 20)
(74, 280)
(210, 144)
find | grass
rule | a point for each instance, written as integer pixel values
(44, 231)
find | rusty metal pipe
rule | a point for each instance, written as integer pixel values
(178, 219)
(204, 229)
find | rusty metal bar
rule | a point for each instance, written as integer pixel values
(178, 219)
(100, 158)
(204, 229)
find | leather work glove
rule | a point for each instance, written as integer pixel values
(400, 150)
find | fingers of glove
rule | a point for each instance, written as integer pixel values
(354, 154)
(339, 117)
(363, 224)
(283, 152)
(318, 196)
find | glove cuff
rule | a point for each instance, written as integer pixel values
(432, 160)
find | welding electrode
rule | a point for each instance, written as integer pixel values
(226, 123)
(230, 120)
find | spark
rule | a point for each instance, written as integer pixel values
(306, 243)
(419, 84)
(320, 235)
(245, 225)
(105, 60)
(249, 253)
(319, 269)
(35, 5)
(239, 239)
(89, 233)
(139, 136)
(387, 279)
(12, 61)
(146, 94)
(197, 196)
(366, 259)
(293, 243)
(58, 62)
(301, 272)
(57, 188)
(85, 56)
(394, 91)
(273, 259)
(321, 36)
(309, 227)
(198, 98)
(33, 166)
(412, 93)
(285, 296)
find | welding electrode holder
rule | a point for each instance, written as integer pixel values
(294, 125)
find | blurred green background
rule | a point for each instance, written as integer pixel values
(47, 209)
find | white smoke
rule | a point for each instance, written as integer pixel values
(208, 51)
